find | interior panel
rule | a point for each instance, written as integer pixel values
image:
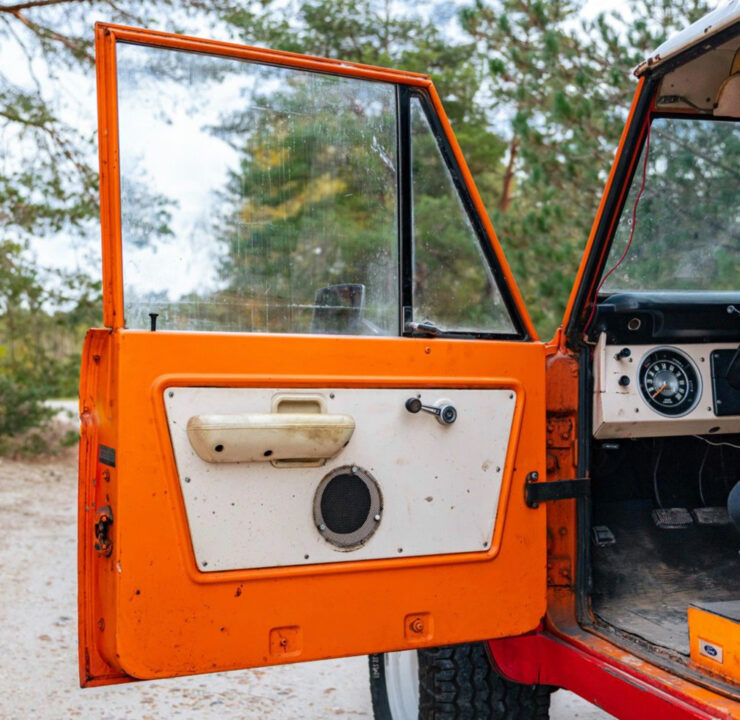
(439, 484)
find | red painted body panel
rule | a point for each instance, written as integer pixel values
(628, 687)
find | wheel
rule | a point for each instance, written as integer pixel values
(450, 683)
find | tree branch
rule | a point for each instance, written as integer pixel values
(73, 45)
(18, 7)
(505, 200)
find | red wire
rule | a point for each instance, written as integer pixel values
(632, 231)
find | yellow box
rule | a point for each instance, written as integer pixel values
(714, 635)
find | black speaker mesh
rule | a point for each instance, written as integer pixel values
(345, 504)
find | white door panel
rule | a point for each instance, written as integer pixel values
(439, 484)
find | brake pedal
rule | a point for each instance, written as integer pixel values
(672, 518)
(711, 516)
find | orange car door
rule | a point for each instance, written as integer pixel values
(309, 419)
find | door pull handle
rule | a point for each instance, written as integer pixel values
(269, 437)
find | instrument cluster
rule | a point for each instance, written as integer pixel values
(662, 390)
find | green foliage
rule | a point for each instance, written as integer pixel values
(537, 97)
(43, 316)
(314, 200)
(452, 288)
(379, 33)
(49, 180)
(566, 85)
(48, 185)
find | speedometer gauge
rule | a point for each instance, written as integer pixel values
(669, 382)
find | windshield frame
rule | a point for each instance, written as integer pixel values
(583, 293)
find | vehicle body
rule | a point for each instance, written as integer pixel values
(268, 478)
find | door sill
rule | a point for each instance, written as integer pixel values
(664, 658)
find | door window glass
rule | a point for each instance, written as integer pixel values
(454, 288)
(256, 198)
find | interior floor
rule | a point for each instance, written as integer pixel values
(645, 581)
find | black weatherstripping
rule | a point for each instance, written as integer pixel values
(584, 504)
(696, 50)
(405, 207)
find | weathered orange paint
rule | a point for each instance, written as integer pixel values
(562, 464)
(147, 611)
(152, 613)
(98, 390)
(713, 625)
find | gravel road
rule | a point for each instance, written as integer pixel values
(38, 634)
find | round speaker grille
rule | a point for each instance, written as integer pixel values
(347, 507)
(345, 504)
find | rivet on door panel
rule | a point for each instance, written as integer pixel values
(286, 641)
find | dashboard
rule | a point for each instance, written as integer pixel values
(660, 389)
(661, 362)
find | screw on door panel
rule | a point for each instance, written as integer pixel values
(418, 627)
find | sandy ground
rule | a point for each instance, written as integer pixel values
(38, 634)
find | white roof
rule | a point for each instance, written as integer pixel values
(728, 13)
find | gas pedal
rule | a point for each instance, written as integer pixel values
(602, 536)
(672, 518)
(711, 516)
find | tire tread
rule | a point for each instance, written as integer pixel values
(457, 682)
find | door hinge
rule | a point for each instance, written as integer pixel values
(103, 521)
(537, 492)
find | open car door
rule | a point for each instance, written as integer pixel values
(309, 421)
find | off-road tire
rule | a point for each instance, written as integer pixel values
(458, 682)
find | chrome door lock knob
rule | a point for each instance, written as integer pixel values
(445, 413)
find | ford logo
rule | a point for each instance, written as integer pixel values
(709, 650)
